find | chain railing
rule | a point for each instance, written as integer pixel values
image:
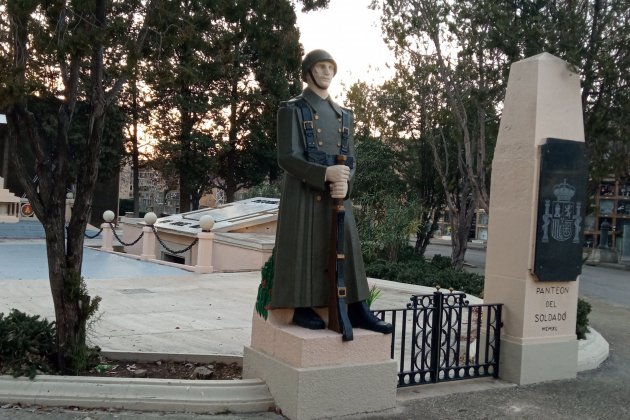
(203, 240)
(93, 236)
(181, 251)
(88, 235)
(113, 228)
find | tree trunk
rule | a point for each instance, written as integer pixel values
(459, 240)
(135, 158)
(184, 197)
(461, 221)
(428, 225)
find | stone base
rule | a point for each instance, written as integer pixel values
(320, 392)
(538, 362)
(314, 373)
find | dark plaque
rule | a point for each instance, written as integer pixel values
(561, 210)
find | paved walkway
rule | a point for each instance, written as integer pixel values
(151, 307)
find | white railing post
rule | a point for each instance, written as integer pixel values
(205, 245)
(108, 234)
(148, 240)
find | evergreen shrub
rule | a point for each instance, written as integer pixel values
(415, 269)
(27, 344)
(581, 327)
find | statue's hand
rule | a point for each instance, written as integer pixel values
(338, 189)
(337, 173)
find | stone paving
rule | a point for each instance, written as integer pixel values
(152, 307)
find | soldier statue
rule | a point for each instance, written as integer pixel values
(312, 130)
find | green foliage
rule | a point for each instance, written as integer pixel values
(27, 344)
(581, 327)
(265, 189)
(80, 356)
(385, 226)
(441, 262)
(263, 298)
(385, 216)
(389, 162)
(375, 292)
(414, 269)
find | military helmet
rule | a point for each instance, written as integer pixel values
(313, 57)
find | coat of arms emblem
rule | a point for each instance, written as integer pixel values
(562, 216)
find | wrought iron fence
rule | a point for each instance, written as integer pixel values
(465, 344)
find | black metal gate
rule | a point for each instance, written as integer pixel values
(464, 346)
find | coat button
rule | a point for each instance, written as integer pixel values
(316, 117)
(321, 143)
(318, 198)
(338, 144)
(339, 130)
(319, 130)
(339, 119)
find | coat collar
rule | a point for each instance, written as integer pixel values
(314, 100)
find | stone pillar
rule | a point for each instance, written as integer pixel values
(314, 374)
(538, 340)
(108, 237)
(204, 252)
(148, 244)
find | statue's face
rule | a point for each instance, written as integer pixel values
(323, 72)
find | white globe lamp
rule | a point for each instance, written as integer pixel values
(150, 218)
(108, 216)
(206, 222)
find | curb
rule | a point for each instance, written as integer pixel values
(592, 351)
(142, 394)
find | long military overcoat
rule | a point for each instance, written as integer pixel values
(305, 214)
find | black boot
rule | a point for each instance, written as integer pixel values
(361, 317)
(308, 318)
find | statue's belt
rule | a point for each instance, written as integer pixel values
(312, 153)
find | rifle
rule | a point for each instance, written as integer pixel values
(337, 313)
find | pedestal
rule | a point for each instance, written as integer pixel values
(148, 244)
(108, 237)
(314, 374)
(204, 252)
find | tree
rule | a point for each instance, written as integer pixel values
(220, 77)
(463, 50)
(132, 102)
(68, 51)
(592, 35)
(394, 168)
(453, 109)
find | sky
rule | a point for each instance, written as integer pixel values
(351, 32)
